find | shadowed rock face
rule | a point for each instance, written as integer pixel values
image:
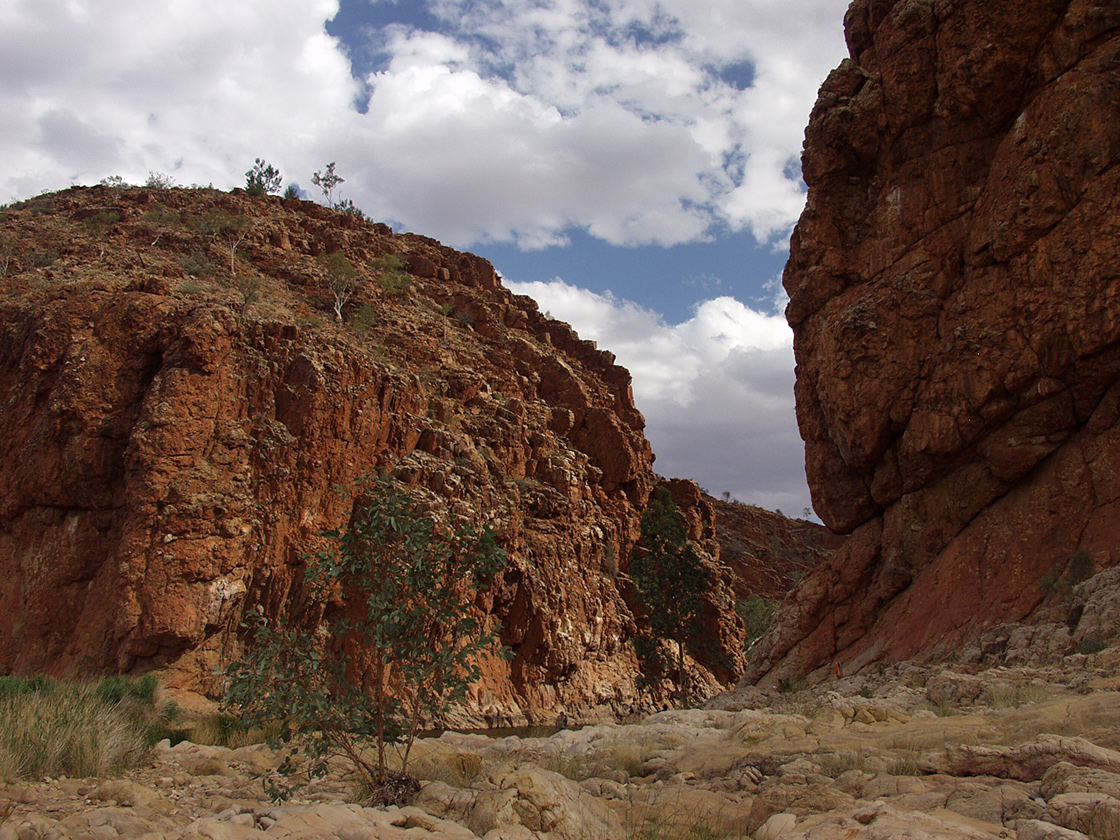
(954, 290)
(172, 444)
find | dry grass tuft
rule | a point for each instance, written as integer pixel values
(67, 730)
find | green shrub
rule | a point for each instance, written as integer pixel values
(1091, 646)
(757, 613)
(350, 208)
(390, 274)
(15, 686)
(198, 264)
(1061, 580)
(159, 181)
(365, 318)
(99, 224)
(114, 690)
(791, 686)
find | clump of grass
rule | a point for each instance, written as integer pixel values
(904, 765)
(836, 764)
(661, 821)
(66, 729)
(227, 731)
(1013, 696)
(569, 766)
(458, 771)
(625, 756)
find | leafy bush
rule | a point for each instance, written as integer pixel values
(115, 690)
(159, 181)
(365, 318)
(99, 224)
(757, 614)
(390, 274)
(262, 179)
(349, 208)
(198, 264)
(223, 730)
(403, 644)
(223, 227)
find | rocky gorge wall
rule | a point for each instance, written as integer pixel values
(179, 409)
(954, 289)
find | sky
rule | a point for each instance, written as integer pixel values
(633, 165)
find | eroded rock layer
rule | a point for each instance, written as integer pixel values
(954, 290)
(179, 406)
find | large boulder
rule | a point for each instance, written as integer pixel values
(955, 300)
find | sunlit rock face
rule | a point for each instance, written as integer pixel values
(954, 290)
(174, 438)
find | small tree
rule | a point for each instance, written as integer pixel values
(226, 228)
(327, 181)
(670, 581)
(262, 179)
(342, 280)
(403, 645)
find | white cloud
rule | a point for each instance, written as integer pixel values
(716, 390)
(521, 120)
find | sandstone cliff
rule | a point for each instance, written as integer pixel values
(180, 405)
(955, 298)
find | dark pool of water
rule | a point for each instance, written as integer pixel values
(503, 731)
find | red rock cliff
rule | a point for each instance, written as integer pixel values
(954, 290)
(173, 438)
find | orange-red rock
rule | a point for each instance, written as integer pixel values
(174, 438)
(955, 299)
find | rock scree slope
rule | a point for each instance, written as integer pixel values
(179, 405)
(954, 288)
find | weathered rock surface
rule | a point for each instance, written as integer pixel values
(956, 308)
(766, 551)
(867, 758)
(179, 409)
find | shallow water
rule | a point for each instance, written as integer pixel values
(504, 731)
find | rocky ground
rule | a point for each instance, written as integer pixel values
(946, 752)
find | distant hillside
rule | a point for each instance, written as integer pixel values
(768, 552)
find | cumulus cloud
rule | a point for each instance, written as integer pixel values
(516, 122)
(716, 390)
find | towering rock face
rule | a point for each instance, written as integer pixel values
(954, 291)
(174, 437)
